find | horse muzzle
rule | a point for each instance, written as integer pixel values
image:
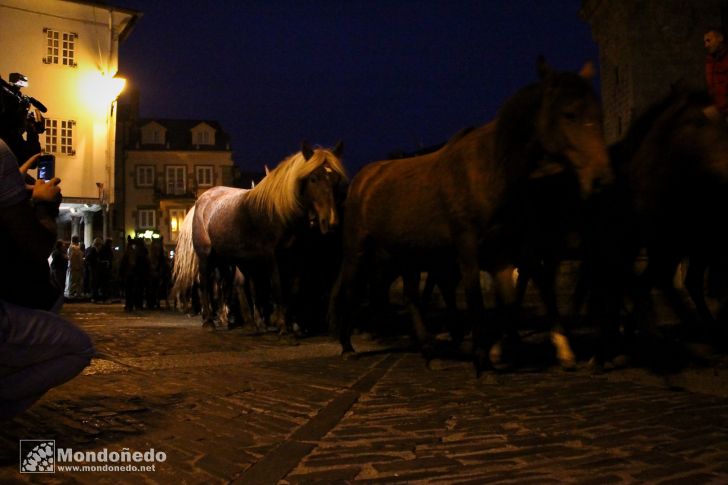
(326, 222)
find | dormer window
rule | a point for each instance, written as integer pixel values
(203, 135)
(153, 134)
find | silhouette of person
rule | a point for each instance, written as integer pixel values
(716, 70)
(38, 349)
(74, 288)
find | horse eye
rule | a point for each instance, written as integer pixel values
(570, 116)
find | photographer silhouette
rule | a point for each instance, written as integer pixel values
(38, 349)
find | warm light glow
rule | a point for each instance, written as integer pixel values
(100, 90)
(174, 224)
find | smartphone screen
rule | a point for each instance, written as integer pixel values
(46, 167)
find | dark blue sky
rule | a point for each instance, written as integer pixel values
(380, 75)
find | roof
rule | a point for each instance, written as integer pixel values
(134, 14)
(179, 136)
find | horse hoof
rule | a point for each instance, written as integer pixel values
(348, 355)
(595, 366)
(621, 361)
(288, 339)
(208, 326)
(563, 351)
(495, 355)
(480, 362)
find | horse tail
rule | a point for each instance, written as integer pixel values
(186, 264)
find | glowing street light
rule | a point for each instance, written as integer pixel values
(100, 90)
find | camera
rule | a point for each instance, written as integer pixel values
(12, 90)
(46, 167)
(19, 115)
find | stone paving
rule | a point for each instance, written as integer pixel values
(229, 407)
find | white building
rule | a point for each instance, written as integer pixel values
(69, 52)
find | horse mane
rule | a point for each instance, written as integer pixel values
(277, 195)
(658, 113)
(512, 134)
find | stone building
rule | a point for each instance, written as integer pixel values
(645, 46)
(168, 163)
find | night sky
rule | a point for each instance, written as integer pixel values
(383, 76)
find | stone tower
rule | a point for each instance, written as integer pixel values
(645, 46)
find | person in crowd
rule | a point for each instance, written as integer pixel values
(93, 265)
(59, 265)
(74, 288)
(106, 258)
(716, 71)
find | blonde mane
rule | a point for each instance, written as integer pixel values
(277, 194)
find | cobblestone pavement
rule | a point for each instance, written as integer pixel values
(227, 406)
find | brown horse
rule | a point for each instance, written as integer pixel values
(465, 201)
(236, 228)
(672, 172)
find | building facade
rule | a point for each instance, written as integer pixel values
(646, 46)
(69, 52)
(168, 163)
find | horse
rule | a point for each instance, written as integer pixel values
(672, 177)
(244, 229)
(465, 201)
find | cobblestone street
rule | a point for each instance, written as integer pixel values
(226, 406)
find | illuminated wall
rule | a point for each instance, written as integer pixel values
(82, 93)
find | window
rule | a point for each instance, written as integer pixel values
(202, 138)
(204, 176)
(176, 217)
(145, 176)
(153, 134)
(60, 48)
(176, 180)
(59, 136)
(146, 219)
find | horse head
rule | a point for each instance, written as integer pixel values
(569, 126)
(321, 189)
(559, 119)
(681, 138)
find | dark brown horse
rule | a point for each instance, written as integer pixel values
(235, 228)
(672, 173)
(465, 201)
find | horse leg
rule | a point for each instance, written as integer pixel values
(545, 279)
(483, 338)
(342, 300)
(205, 287)
(281, 314)
(410, 287)
(227, 290)
(695, 284)
(446, 280)
(507, 311)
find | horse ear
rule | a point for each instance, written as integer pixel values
(542, 67)
(588, 71)
(338, 149)
(306, 150)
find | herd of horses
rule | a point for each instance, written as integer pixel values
(308, 245)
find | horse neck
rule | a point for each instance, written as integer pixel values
(516, 144)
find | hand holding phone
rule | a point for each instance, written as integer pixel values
(46, 167)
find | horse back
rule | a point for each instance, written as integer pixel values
(214, 216)
(423, 201)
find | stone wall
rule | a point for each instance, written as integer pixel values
(645, 46)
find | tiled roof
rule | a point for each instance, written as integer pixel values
(179, 136)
